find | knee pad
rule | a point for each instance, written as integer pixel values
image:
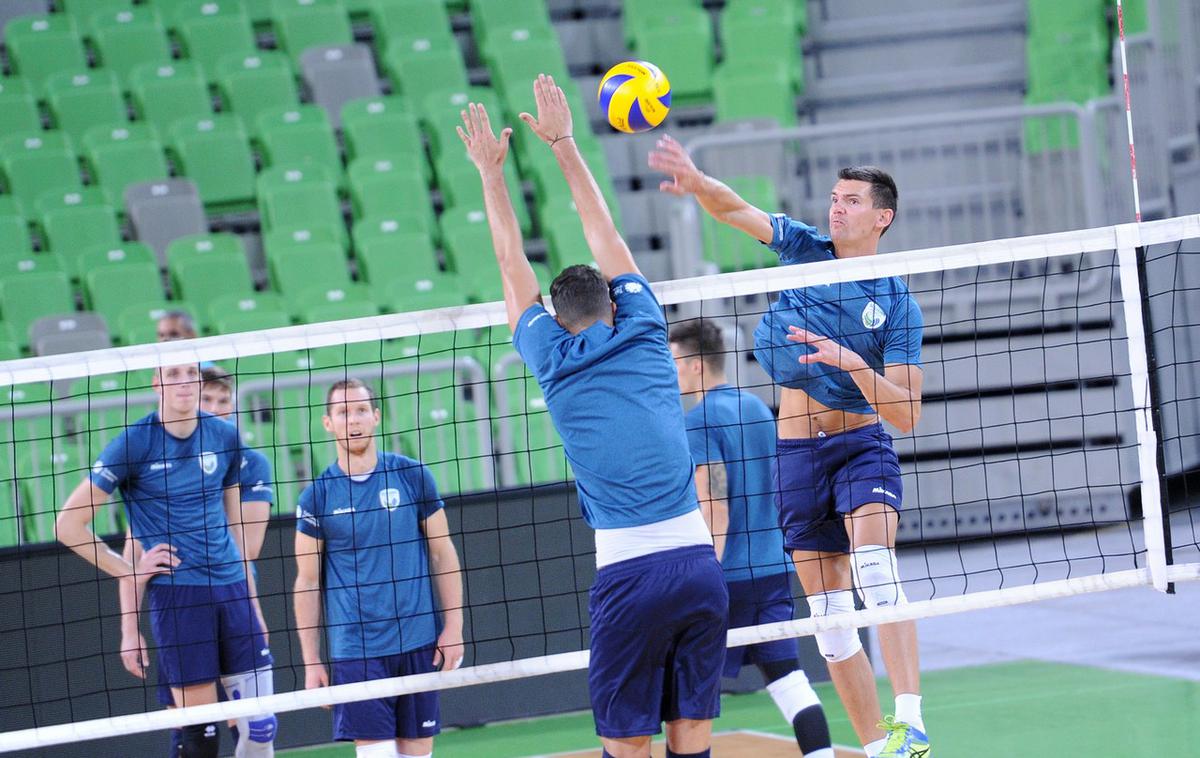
(877, 576)
(836, 644)
(793, 694)
(201, 741)
(385, 749)
(256, 734)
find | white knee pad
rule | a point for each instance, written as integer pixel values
(256, 734)
(837, 644)
(877, 576)
(385, 749)
(406, 755)
(793, 694)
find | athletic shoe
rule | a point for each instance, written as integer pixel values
(904, 740)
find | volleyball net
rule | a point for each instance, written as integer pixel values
(1060, 376)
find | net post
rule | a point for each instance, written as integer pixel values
(1149, 450)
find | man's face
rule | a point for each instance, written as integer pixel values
(216, 399)
(172, 328)
(351, 418)
(179, 388)
(853, 216)
(689, 367)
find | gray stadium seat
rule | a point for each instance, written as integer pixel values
(10, 9)
(69, 333)
(164, 211)
(336, 75)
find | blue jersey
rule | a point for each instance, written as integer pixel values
(737, 429)
(377, 588)
(613, 394)
(876, 318)
(254, 479)
(174, 492)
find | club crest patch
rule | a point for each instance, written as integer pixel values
(873, 316)
(208, 462)
(390, 498)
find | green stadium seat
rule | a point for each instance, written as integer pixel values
(8, 349)
(37, 162)
(118, 156)
(39, 46)
(9, 524)
(18, 107)
(731, 249)
(214, 152)
(29, 296)
(404, 221)
(164, 94)
(301, 24)
(123, 254)
(299, 197)
(534, 453)
(127, 38)
(323, 303)
(14, 230)
(636, 13)
(441, 113)
(74, 221)
(211, 29)
(488, 16)
(420, 66)
(31, 263)
(754, 90)
(296, 136)
(396, 19)
(298, 268)
(254, 302)
(566, 245)
(515, 68)
(250, 321)
(461, 187)
(137, 324)
(280, 241)
(251, 84)
(202, 280)
(82, 11)
(680, 41)
(762, 32)
(1050, 19)
(388, 183)
(204, 246)
(466, 237)
(111, 289)
(380, 125)
(49, 470)
(516, 36)
(441, 290)
(403, 255)
(82, 99)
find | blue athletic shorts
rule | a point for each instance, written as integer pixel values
(820, 480)
(761, 600)
(658, 641)
(407, 717)
(202, 632)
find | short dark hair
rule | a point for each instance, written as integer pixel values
(349, 384)
(187, 326)
(700, 338)
(580, 295)
(213, 374)
(883, 187)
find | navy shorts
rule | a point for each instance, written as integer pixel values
(761, 600)
(658, 641)
(407, 717)
(203, 631)
(818, 481)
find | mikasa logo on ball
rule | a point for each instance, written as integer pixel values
(208, 462)
(873, 316)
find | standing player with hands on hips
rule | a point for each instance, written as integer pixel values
(659, 604)
(846, 355)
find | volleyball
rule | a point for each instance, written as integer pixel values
(635, 96)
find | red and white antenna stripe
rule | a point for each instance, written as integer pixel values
(1137, 200)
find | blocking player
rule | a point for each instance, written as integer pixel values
(732, 437)
(372, 526)
(659, 603)
(178, 472)
(846, 355)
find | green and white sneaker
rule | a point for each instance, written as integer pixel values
(904, 740)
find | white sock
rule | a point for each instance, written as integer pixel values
(825, 752)
(872, 748)
(908, 710)
(406, 755)
(384, 749)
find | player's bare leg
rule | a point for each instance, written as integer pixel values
(687, 736)
(626, 747)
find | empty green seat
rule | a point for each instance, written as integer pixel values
(403, 255)
(118, 156)
(82, 99)
(14, 230)
(394, 19)
(440, 290)
(441, 113)
(250, 321)
(1048, 19)
(123, 254)
(251, 84)
(75, 221)
(730, 249)
(381, 184)
(138, 323)
(324, 303)
(29, 296)
(253, 302)
(211, 29)
(380, 125)
(31, 263)
(762, 32)
(127, 38)
(39, 46)
(302, 267)
(515, 67)
(296, 136)
(532, 451)
(82, 11)
(754, 90)
(202, 280)
(280, 241)
(214, 152)
(305, 196)
(204, 246)
(488, 16)
(419, 66)
(468, 246)
(636, 13)
(35, 163)
(164, 94)
(18, 107)
(680, 41)
(111, 289)
(301, 24)
(566, 245)
(403, 221)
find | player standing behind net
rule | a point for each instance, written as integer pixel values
(372, 526)
(846, 355)
(732, 435)
(178, 472)
(658, 605)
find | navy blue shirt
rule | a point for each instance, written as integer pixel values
(174, 492)
(613, 394)
(737, 429)
(876, 318)
(377, 588)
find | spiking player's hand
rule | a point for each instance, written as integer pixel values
(826, 350)
(485, 151)
(670, 158)
(553, 120)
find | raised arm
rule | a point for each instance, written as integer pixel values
(554, 126)
(447, 583)
(488, 154)
(720, 202)
(306, 599)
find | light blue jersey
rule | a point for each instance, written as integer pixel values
(377, 588)
(876, 318)
(174, 492)
(737, 429)
(613, 394)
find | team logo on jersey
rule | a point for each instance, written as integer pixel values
(390, 498)
(208, 462)
(873, 316)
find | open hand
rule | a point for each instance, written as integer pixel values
(484, 150)
(826, 350)
(670, 158)
(553, 120)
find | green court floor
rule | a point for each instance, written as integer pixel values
(1027, 709)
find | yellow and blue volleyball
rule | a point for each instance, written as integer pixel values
(635, 96)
